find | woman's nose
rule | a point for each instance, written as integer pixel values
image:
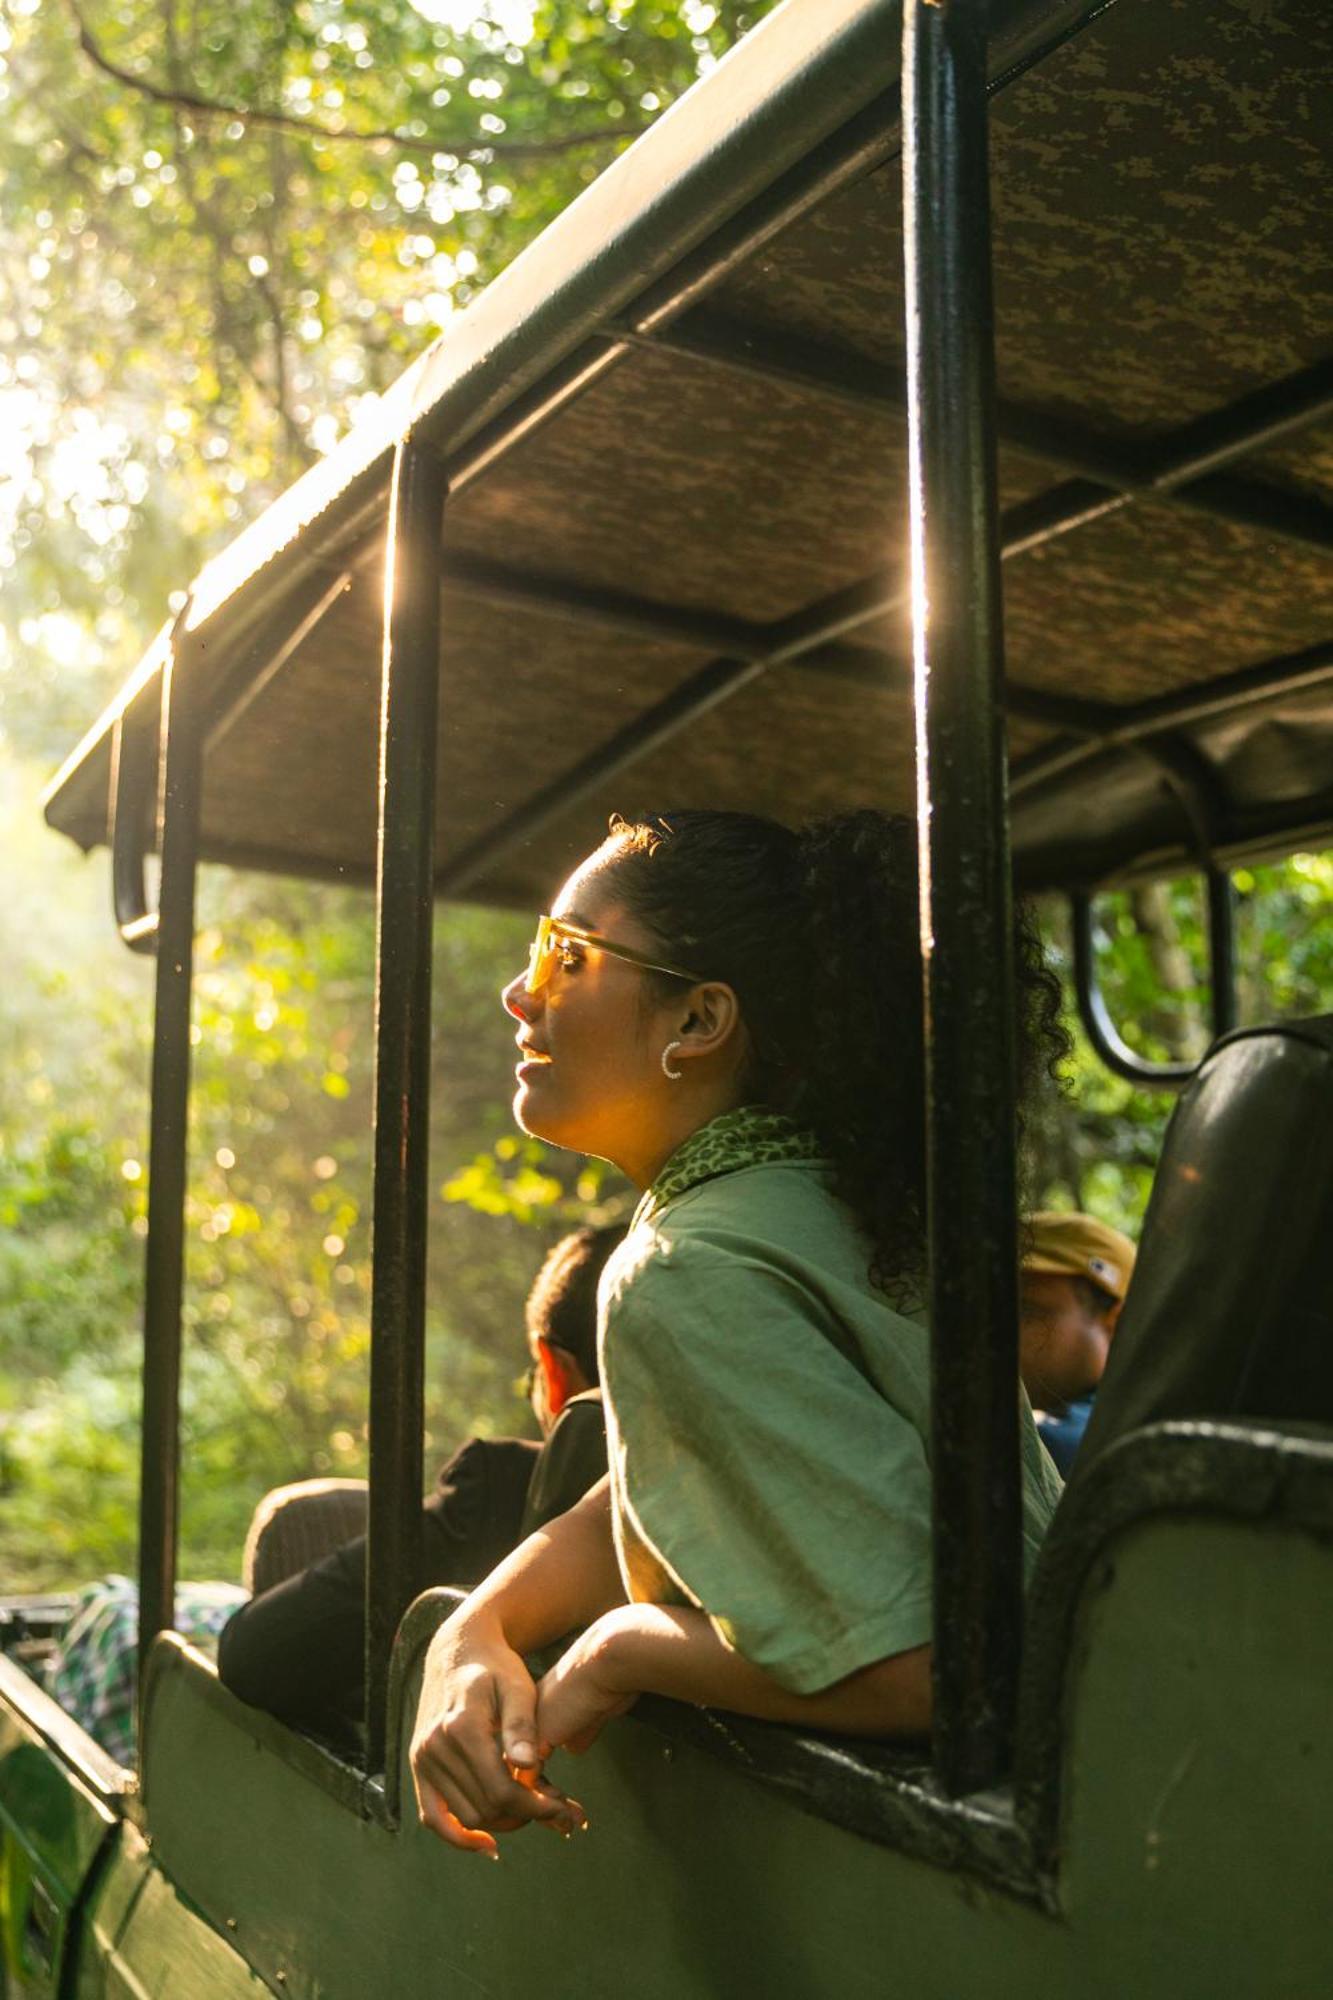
(516, 999)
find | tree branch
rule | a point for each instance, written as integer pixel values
(308, 128)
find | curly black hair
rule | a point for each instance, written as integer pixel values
(818, 933)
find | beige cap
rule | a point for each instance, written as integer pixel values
(1078, 1246)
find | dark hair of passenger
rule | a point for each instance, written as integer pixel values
(562, 1305)
(818, 934)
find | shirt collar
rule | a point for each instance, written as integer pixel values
(750, 1136)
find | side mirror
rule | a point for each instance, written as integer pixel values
(1101, 1030)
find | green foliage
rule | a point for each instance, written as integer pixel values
(229, 225)
(278, 1254)
(522, 1178)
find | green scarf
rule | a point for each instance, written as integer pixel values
(750, 1136)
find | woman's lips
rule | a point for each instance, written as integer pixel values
(530, 1061)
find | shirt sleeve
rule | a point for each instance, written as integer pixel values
(760, 1470)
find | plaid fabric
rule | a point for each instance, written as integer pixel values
(94, 1675)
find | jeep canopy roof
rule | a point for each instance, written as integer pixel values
(674, 566)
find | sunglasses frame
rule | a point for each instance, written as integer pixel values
(551, 929)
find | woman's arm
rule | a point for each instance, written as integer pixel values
(662, 1649)
(476, 1721)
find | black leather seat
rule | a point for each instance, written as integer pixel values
(1230, 1313)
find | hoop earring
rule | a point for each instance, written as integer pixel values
(674, 1074)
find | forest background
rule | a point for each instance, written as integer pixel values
(226, 228)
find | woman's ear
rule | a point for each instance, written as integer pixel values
(712, 1022)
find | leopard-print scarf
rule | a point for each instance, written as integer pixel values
(751, 1136)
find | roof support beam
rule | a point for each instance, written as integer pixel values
(809, 639)
(703, 690)
(1197, 448)
(1184, 468)
(646, 618)
(1106, 728)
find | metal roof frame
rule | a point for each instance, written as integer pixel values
(805, 105)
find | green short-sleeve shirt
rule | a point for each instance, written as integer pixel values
(768, 1426)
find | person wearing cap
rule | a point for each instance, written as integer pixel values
(1074, 1274)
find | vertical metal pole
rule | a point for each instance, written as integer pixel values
(1221, 946)
(405, 907)
(966, 920)
(167, 1157)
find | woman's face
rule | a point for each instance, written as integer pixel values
(591, 1039)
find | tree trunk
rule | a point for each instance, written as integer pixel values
(1177, 1019)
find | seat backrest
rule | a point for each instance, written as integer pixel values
(1230, 1312)
(294, 1526)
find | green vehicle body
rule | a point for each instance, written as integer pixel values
(1175, 1842)
(1163, 1830)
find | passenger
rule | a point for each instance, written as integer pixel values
(1075, 1272)
(297, 1649)
(731, 1012)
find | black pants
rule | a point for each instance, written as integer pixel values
(298, 1650)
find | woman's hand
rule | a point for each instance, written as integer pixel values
(476, 1753)
(584, 1689)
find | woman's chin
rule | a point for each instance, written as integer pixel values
(522, 1110)
(543, 1121)
(528, 1114)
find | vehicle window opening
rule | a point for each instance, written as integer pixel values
(1175, 990)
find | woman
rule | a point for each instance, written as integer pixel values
(731, 1013)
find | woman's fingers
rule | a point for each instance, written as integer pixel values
(477, 1752)
(467, 1819)
(434, 1813)
(470, 1775)
(516, 1702)
(463, 1777)
(486, 1802)
(571, 1816)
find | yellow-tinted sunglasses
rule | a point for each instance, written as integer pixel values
(552, 932)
